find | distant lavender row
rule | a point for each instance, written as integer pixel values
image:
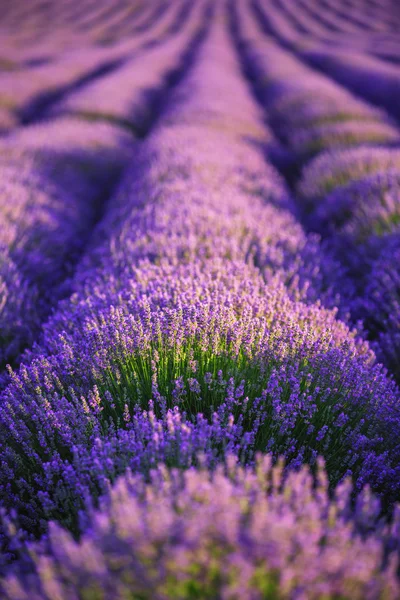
(311, 112)
(305, 25)
(365, 23)
(350, 196)
(38, 31)
(355, 200)
(373, 78)
(52, 178)
(365, 75)
(27, 92)
(330, 22)
(114, 98)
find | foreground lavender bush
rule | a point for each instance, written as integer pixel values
(193, 359)
(234, 533)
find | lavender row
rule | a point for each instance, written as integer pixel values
(304, 26)
(355, 199)
(333, 21)
(49, 198)
(40, 31)
(346, 27)
(360, 19)
(311, 112)
(370, 77)
(349, 196)
(366, 232)
(70, 155)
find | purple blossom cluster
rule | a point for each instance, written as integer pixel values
(234, 533)
(194, 408)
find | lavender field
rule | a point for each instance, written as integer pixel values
(200, 300)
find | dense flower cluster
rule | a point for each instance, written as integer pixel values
(238, 533)
(187, 420)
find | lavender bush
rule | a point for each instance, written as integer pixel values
(235, 533)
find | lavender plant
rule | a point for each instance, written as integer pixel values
(236, 533)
